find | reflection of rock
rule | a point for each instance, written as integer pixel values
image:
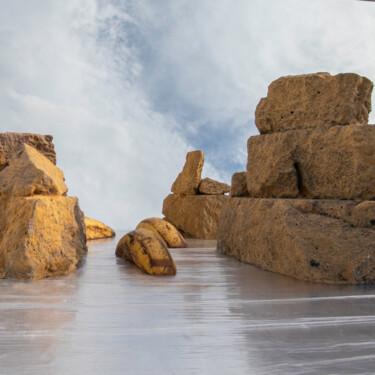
(96, 229)
(336, 162)
(239, 186)
(188, 180)
(196, 215)
(320, 149)
(313, 240)
(40, 236)
(29, 173)
(212, 187)
(314, 100)
(9, 143)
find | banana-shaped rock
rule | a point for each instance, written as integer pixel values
(145, 249)
(166, 231)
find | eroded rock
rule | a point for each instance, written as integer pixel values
(314, 100)
(29, 173)
(335, 162)
(96, 230)
(188, 180)
(40, 236)
(211, 187)
(10, 142)
(197, 216)
(238, 185)
(329, 241)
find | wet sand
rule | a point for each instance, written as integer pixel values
(216, 316)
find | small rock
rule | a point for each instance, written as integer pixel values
(96, 230)
(212, 187)
(238, 185)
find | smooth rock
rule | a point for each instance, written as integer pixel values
(188, 180)
(238, 185)
(212, 187)
(335, 162)
(29, 173)
(314, 100)
(10, 142)
(40, 236)
(197, 216)
(96, 229)
(322, 241)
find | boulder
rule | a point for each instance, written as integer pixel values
(188, 180)
(335, 162)
(96, 230)
(314, 100)
(238, 185)
(40, 236)
(29, 173)
(328, 241)
(197, 216)
(212, 187)
(10, 142)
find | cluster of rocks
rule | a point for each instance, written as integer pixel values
(305, 205)
(42, 231)
(195, 205)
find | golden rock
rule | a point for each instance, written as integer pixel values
(96, 229)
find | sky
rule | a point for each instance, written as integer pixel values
(128, 87)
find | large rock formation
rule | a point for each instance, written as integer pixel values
(314, 100)
(322, 151)
(96, 230)
(10, 142)
(196, 215)
(195, 206)
(42, 232)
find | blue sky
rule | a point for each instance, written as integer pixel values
(128, 87)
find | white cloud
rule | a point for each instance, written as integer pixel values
(127, 87)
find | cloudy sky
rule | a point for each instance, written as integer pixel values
(127, 87)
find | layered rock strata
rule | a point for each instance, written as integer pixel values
(195, 206)
(42, 232)
(320, 154)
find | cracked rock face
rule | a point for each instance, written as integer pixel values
(335, 162)
(314, 100)
(329, 241)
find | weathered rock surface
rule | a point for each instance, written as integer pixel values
(29, 173)
(40, 236)
(197, 216)
(314, 100)
(335, 162)
(188, 180)
(96, 229)
(327, 241)
(10, 142)
(212, 187)
(238, 185)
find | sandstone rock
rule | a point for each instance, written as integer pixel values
(188, 180)
(29, 173)
(197, 216)
(10, 142)
(40, 236)
(238, 185)
(212, 187)
(322, 241)
(336, 162)
(96, 230)
(314, 100)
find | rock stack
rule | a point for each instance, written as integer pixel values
(305, 206)
(42, 231)
(195, 205)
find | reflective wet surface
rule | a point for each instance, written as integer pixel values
(216, 316)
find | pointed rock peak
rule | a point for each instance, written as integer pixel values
(30, 173)
(189, 179)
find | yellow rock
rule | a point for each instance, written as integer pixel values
(145, 249)
(96, 230)
(40, 236)
(29, 173)
(169, 235)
